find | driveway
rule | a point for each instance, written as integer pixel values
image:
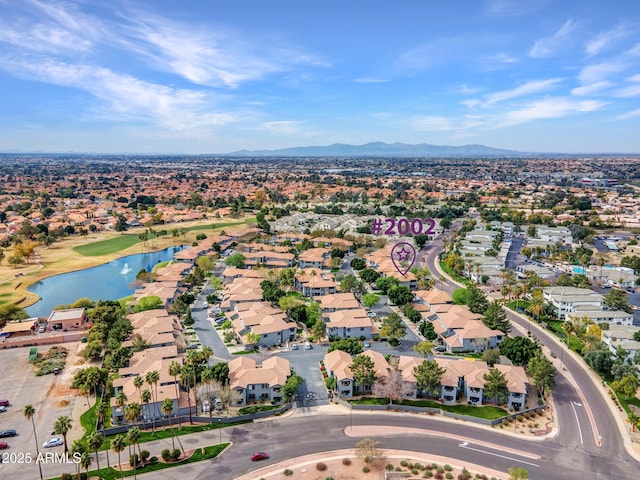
(204, 328)
(306, 363)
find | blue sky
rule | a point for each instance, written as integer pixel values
(216, 76)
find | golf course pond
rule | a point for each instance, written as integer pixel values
(109, 281)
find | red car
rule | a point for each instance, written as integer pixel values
(3, 445)
(4, 403)
(259, 456)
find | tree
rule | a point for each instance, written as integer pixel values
(423, 348)
(370, 299)
(385, 283)
(369, 275)
(350, 345)
(428, 376)
(10, 313)
(495, 317)
(133, 436)
(491, 356)
(235, 260)
(520, 350)
(393, 328)
(362, 368)
(617, 300)
(368, 449)
(291, 386)
(400, 295)
(319, 329)
(152, 378)
(476, 300)
(28, 411)
(543, 373)
(151, 302)
(495, 385)
(85, 461)
(174, 371)
(518, 473)
(78, 448)
(348, 283)
(427, 331)
(626, 387)
(167, 410)
(601, 360)
(420, 240)
(118, 444)
(536, 307)
(61, 426)
(358, 263)
(392, 386)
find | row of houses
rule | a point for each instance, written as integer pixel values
(571, 303)
(462, 381)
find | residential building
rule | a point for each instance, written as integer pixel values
(258, 383)
(565, 299)
(67, 319)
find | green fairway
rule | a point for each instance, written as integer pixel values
(214, 226)
(105, 247)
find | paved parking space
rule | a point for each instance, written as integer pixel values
(306, 363)
(21, 387)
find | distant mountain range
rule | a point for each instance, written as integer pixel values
(380, 149)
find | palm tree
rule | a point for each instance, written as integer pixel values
(133, 436)
(28, 411)
(152, 378)
(138, 381)
(188, 379)
(101, 411)
(117, 445)
(536, 307)
(85, 461)
(174, 371)
(121, 400)
(94, 441)
(634, 419)
(145, 396)
(167, 409)
(78, 448)
(61, 426)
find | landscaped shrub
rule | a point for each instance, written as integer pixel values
(134, 460)
(448, 468)
(81, 476)
(434, 466)
(66, 476)
(287, 472)
(346, 461)
(439, 476)
(321, 467)
(404, 463)
(389, 467)
(175, 454)
(165, 454)
(145, 455)
(466, 473)
(366, 469)
(440, 470)
(449, 475)
(153, 459)
(415, 471)
(428, 474)
(418, 466)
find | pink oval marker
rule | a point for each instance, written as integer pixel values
(403, 255)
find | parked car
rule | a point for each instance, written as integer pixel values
(440, 349)
(294, 346)
(4, 403)
(3, 445)
(8, 433)
(372, 315)
(259, 456)
(307, 346)
(206, 406)
(3, 409)
(205, 305)
(366, 344)
(53, 442)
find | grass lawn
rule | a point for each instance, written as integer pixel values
(487, 412)
(161, 265)
(203, 453)
(149, 436)
(213, 226)
(257, 408)
(105, 247)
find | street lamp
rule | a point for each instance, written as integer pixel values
(220, 429)
(350, 417)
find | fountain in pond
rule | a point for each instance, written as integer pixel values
(125, 269)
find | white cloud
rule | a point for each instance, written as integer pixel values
(512, 8)
(123, 96)
(554, 107)
(591, 88)
(600, 72)
(627, 92)
(533, 86)
(605, 39)
(629, 115)
(287, 127)
(432, 123)
(549, 46)
(634, 78)
(371, 80)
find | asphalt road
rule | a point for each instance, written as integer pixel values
(576, 435)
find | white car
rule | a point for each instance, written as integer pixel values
(294, 346)
(372, 314)
(53, 442)
(307, 346)
(206, 406)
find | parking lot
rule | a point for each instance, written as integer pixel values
(47, 394)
